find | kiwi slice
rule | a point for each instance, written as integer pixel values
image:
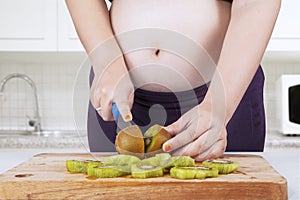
(121, 160)
(110, 171)
(179, 161)
(223, 166)
(155, 136)
(146, 171)
(188, 173)
(130, 141)
(163, 156)
(77, 166)
(210, 172)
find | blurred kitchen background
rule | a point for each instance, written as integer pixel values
(37, 39)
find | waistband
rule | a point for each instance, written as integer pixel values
(148, 98)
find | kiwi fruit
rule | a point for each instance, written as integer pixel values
(77, 166)
(210, 172)
(154, 138)
(130, 141)
(110, 171)
(146, 171)
(120, 160)
(151, 161)
(187, 173)
(223, 166)
(179, 161)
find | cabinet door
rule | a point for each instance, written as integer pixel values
(28, 25)
(67, 36)
(286, 34)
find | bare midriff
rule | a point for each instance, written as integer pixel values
(170, 45)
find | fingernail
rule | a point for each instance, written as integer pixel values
(166, 147)
(128, 118)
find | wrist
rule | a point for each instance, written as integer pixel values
(216, 108)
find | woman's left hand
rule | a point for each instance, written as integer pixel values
(198, 133)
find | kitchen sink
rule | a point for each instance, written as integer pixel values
(43, 133)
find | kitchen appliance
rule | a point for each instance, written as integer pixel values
(288, 104)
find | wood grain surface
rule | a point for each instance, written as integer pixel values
(44, 176)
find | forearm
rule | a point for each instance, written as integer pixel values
(92, 23)
(248, 33)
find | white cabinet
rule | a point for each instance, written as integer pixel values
(67, 36)
(45, 25)
(37, 25)
(28, 25)
(286, 34)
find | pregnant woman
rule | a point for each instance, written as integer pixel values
(191, 66)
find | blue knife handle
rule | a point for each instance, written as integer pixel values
(115, 111)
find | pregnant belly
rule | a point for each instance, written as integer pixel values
(170, 45)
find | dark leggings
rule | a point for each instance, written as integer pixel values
(245, 130)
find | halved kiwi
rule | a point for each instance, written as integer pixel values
(155, 136)
(223, 166)
(130, 141)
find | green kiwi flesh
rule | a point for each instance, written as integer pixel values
(154, 138)
(146, 171)
(120, 160)
(179, 161)
(77, 166)
(223, 166)
(108, 171)
(187, 173)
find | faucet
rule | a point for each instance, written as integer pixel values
(37, 122)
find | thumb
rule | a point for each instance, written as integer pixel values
(173, 129)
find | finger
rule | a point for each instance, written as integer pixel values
(180, 140)
(201, 144)
(214, 151)
(124, 109)
(105, 111)
(95, 96)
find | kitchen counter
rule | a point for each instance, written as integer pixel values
(275, 141)
(287, 164)
(50, 141)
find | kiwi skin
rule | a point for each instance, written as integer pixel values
(155, 136)
(130, 141)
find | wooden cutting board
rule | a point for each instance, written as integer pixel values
(44, 176)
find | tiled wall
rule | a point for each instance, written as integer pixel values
(55, 73)
(54, 76)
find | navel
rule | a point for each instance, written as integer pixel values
(157, 52)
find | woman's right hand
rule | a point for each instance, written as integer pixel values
(112, 84)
